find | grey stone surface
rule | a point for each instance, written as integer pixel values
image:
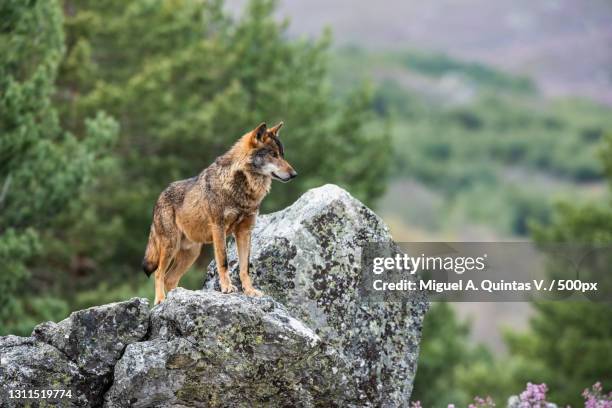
(210, 349)
(308, 257)
(78, 354)
(27, 364)
(94, 338)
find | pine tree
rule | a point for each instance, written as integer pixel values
(445, 349)
(569, 345)
(42, 168)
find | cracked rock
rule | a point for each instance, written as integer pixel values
(79, 353)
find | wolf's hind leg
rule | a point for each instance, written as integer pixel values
(182, 262)
(168, 241)
(167, 257)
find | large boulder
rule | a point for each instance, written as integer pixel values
(210, 349)
(308, 257)
(77, 354)
(317, 340)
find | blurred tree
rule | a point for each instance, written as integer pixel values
(445, 354)
(572, 341)
(185, 80)
(568, 346)
(42, 168)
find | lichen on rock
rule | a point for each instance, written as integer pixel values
(210, 349)
(77, 354)
(308, 257)
(27, 364)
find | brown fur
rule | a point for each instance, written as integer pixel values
(223, 199)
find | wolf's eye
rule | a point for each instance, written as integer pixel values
(275, 155)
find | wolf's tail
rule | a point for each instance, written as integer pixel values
(151, 257)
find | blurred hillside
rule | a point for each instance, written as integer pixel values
(463, 131)
(481, 100)
(479, 155)
(564, 45)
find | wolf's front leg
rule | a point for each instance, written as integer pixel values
(243, 242)
(218, 236)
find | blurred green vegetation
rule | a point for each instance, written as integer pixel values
(472, 145)
(44, 170)
(183, 81)
(464, 132)
(568, 344)
(445, 356)
(440, 64)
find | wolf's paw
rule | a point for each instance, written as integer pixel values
(229, 288)
(253, 292)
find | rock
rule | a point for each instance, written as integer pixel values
(94, 338)
(79, 353)
(210, 349)
(308, 257)
(27, 364)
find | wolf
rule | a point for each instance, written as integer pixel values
(223, 199)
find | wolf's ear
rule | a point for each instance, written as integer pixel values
(260, 131)
(276, 128)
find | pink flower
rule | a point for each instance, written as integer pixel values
(595, 398)
(534, 396)
(482, 403)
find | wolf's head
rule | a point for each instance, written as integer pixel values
(267, 156)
